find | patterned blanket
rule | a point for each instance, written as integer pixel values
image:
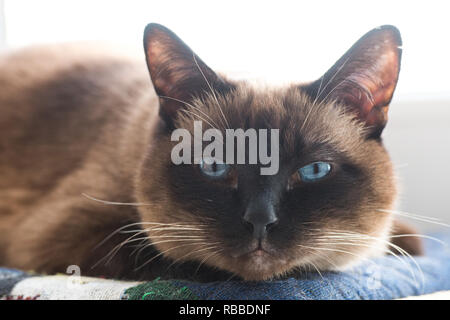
(386, 277)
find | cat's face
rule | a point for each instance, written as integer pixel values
(322, 207)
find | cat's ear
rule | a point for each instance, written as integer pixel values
(177, 73)
(365, 77)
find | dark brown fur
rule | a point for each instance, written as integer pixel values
(80, 121)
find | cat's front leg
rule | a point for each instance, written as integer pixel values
(67, 231)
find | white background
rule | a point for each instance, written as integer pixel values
(276, 40)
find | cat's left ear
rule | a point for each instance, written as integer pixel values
(177, 73)
(364, 78)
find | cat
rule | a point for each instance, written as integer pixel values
(87, 177)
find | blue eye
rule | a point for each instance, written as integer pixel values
(213, 169)
(314, 171)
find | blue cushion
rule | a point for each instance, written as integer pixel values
(386, 277)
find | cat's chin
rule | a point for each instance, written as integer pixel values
(257, 265)
(261, 265)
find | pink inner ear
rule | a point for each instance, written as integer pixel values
(164, 63)
(365, 78)
(370, 90)
(176, 72)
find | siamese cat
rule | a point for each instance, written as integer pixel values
(87, 178)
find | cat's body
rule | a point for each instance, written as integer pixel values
(80, 125)
(65, 128)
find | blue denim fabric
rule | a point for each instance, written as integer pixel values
(386, 277)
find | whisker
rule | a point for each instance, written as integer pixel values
(317, 269)
(176, 236)
(400, 166)
(192, 252)
(193, 107)
(136, 204)
(332, 78)
(337, 86)
(416, 217)
(206, 258)
(171, 225)
(114, 251)
(210, 88)
(139, 246)
(336, 250)
(121, 245)
(361, 244)
(164, 252)
(399, 249)
(161, 229)
(150, 244)
(200, 117)
(326, 258)
(319, 93)
(419, 236)
(173, 229)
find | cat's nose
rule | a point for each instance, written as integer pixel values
(259, 217)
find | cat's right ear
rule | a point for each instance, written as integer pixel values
(177, 73)
(364, 78)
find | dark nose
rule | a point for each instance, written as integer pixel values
(260, 216)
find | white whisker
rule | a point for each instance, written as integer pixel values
(416, 217)
(195, 108)
(210, 88)
(164, 252)
(136, 204)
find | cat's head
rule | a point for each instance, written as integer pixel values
(322, 207)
